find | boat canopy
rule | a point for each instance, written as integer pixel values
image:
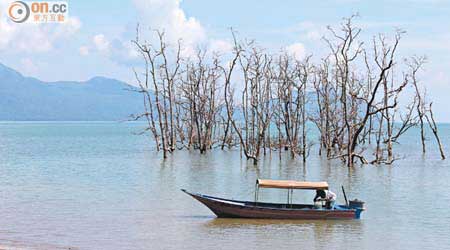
(287, 184)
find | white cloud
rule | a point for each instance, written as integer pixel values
(115, 49)
(84, 50)
(297, 50)
(30, 37)
(313, 35)
(220, 46)
(311, 30)
(123, 52)
(167, 15)
(101, 43)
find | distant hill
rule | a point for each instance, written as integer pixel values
(98, 99)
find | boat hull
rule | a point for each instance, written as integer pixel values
(224, 208)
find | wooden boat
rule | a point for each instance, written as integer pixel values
(226, 208)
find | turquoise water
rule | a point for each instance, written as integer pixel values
(75, 185)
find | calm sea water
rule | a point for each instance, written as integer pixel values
(100, 186)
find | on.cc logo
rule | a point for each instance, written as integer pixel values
(19, 11)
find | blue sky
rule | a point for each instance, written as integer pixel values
(96, 39)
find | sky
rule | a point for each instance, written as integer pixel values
(95, 41)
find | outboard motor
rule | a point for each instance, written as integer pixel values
(358, 205)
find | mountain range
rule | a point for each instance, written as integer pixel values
(98, 99)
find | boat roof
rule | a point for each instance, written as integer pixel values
(288, 184)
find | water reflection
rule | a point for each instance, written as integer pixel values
(318, 226)
(297, 234)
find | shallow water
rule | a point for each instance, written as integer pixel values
(99, 186)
